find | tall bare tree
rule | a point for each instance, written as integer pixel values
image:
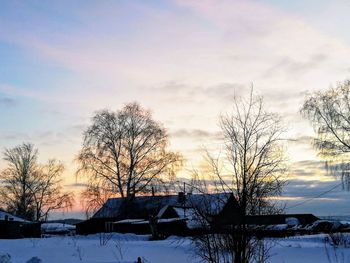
(94, 196)
(47, 190)
(17, 178)
(29, 189)
(329, 113)
(126, 152)
(254, 161)
(251, 169)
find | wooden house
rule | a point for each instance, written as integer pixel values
(172, 214)
(12, 227)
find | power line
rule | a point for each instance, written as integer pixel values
(315, 197)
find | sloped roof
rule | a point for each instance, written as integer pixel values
(143, 206)
(10, 217)
(191, 216)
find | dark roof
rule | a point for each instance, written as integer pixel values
(143, 206)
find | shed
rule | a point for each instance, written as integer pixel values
(95, 225)
(232, 219)
(12, 227)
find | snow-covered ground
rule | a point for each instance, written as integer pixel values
(304, 249)
(127, 247)
(88, 249)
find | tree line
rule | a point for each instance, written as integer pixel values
(126, 153)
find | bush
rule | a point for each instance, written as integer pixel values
(5, 258)
(34, 260)
(339, 240)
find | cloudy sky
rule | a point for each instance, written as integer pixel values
(185, 60)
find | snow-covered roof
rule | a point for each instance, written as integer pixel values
(7, 216)
(143, 222)
(169, 220)
(185, 212)
(126, 221)
(162, 211)
(143, 206)
(191, 216)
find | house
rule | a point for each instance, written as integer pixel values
(173, 214)
(10, 225)
(275, 225)
(94, 225)
(182, 214)
(4, 216)
(15, 227)
(299, 219)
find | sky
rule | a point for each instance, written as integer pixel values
(185, 60)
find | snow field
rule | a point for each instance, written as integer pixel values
(125, 248)
(87, 249)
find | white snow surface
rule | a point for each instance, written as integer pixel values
(292, 221)
(127, 221)
(333, 225)
(169, 220)
(87, 249)
(277, 227)
(190, 215)
(56, 227)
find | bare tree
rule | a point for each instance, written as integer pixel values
(251, 169)
(126, 152)
(31, 190)
(94, 196)
(329, 113)
(254, 163)
(47, 190)
(17, 179)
